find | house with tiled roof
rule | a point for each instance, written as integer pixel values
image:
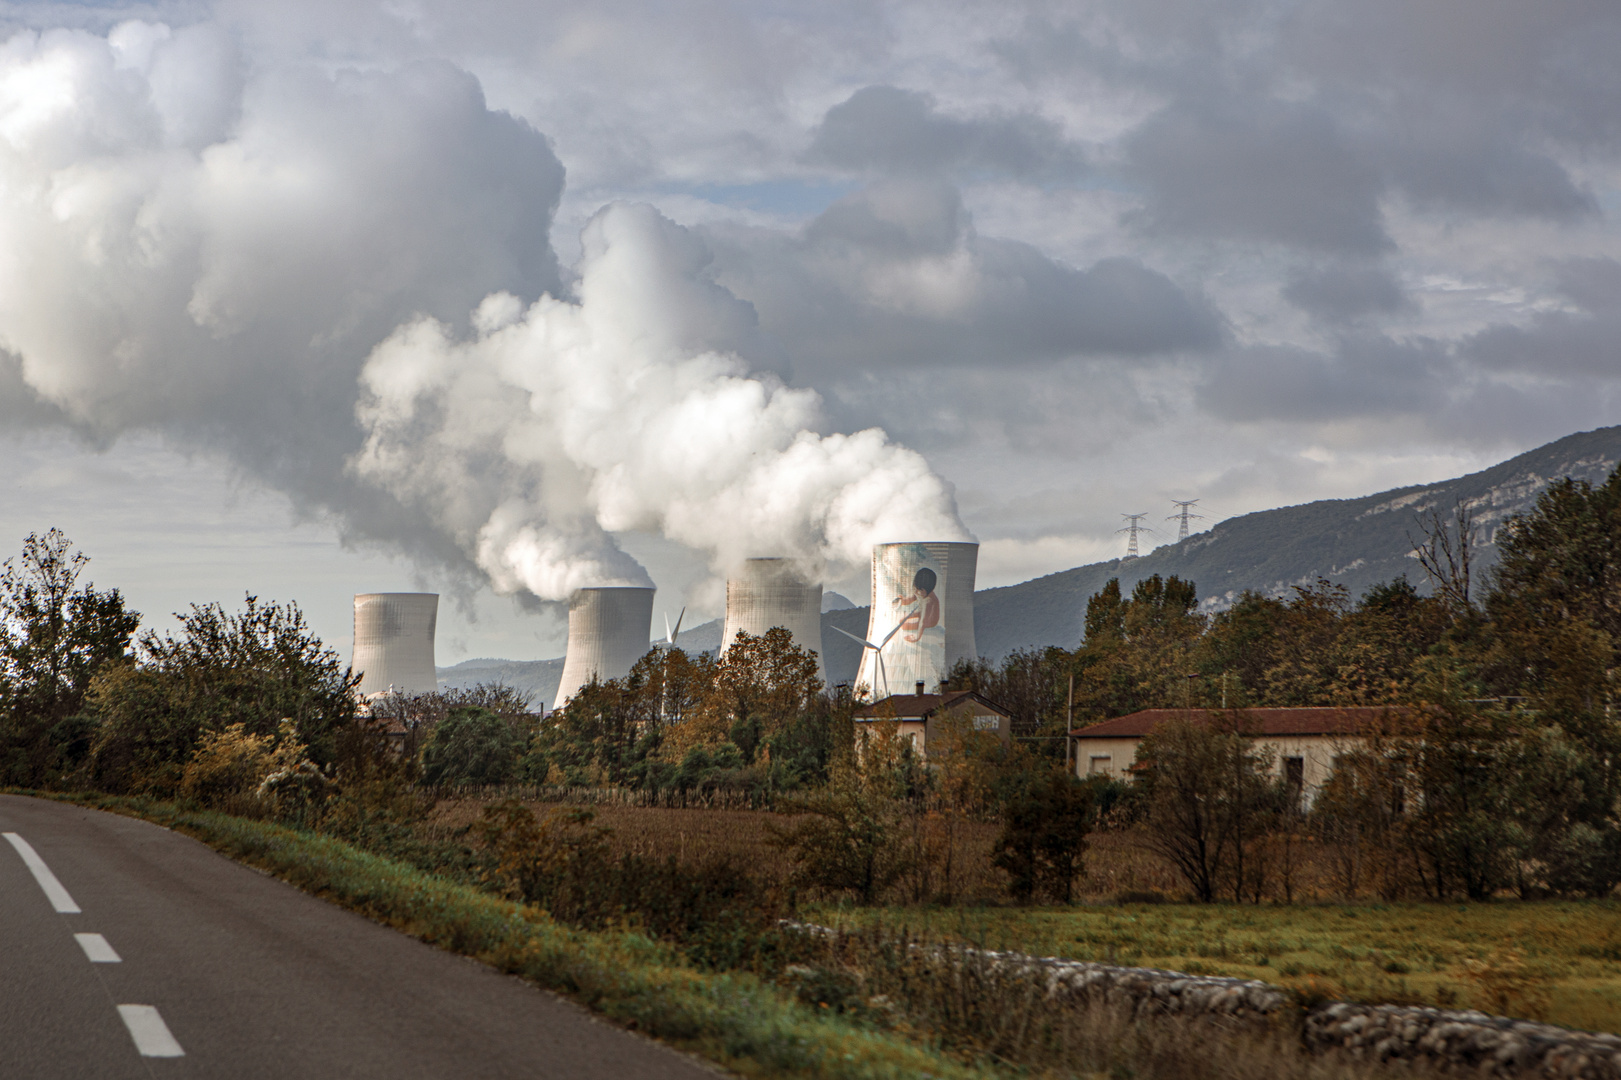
(1302, 743)
(923, 717)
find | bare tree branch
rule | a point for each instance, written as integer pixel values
(1446, 553)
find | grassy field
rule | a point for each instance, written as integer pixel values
(1553, 960)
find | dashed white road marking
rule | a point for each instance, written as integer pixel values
(58, 896)
(97, 950)
(150, 1033)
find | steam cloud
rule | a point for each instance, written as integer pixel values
(277, 264)
(555, 424)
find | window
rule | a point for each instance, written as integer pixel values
(1100, 765)
(987, 723)
(1294, 781)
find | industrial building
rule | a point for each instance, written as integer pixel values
(767, 593)
(922, 619)
(394, 642)
(609, 629)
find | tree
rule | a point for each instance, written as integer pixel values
(1137, 650)
(256, 668)
(849, 836)
(1554, 640)
(55, 636)
(1204, 787)
(471, 745)
(1045, 823)
(761, 684)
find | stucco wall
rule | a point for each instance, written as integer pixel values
(1317, 754)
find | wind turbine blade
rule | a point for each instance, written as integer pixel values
(863, 641)
(887, 636)
(882, 674)
(669, 636)
(678, 618)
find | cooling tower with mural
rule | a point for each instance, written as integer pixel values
(922, 615)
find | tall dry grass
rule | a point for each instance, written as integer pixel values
(961, 1000)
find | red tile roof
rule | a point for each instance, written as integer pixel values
(915, 706)
(1349, 720)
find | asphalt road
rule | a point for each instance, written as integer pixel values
(243, 976)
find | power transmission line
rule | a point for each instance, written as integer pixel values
(1183, 514)
(1133, 527)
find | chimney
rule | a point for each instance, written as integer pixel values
(920, 688)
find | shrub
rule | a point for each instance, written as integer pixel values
(721, 913)
(233, 763)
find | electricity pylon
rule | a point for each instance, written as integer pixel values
(1133, 527)
(1183, 515)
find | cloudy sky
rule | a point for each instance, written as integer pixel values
(500, 299)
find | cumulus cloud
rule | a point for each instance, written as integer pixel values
(1042, 244)
(550, 427)
(232, 255)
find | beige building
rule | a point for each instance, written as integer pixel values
(923, 718)
(1302, 744)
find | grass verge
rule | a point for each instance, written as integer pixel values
(734, 1019)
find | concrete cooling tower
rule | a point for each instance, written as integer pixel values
(922, 616)
(608, 631)
(394, 642)
(769, 593)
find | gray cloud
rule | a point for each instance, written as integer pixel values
(896, 275)
(1485, 177)
(240, 211)
(1256, 171)
(1584, 343)
(1341, 293)
(885, 129)
(1364, 376)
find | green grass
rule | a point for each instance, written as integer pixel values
(737, 1020)
(1556, 960)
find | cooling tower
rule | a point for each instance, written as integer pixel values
(768, 593)
(922, 615)
(394, 642)
(608, 631)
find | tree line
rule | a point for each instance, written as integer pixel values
(1498, 766)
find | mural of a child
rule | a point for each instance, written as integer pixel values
(917, 652)
(925, 612)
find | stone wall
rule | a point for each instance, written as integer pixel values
(1446, 1040)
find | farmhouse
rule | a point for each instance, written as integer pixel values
(1302, 744)
(924, 718)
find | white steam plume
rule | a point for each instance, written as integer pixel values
(263, 260)
(547, 429)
